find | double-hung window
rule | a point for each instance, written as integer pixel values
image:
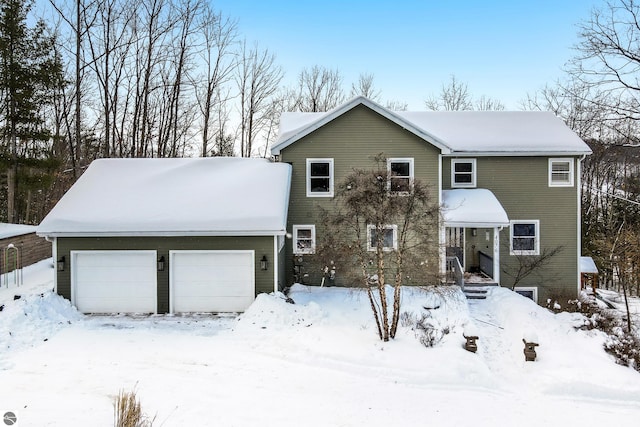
(319, 177)
(388, 234)
(560, 172)
(525, 237)
(304, 239)
(400, 171)
(463, 173)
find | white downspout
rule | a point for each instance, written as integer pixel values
(275, 263)
(54, 255)
(579, 221)
(442, 228)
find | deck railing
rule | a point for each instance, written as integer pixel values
(486, 263)
(454, 269)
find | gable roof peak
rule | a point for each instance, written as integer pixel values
(296, 125)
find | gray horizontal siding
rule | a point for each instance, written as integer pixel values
(521, 185)
(352, 140)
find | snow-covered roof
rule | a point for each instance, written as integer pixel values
(473, 207)
(458, 132)
(587, 265)
(13, 230)
(164, 197)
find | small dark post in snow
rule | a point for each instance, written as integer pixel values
(471, 344)
(529, 350)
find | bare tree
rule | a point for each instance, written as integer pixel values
(365, 87)
(372, 249)
(319, 89)
(527, 265)
(485, 103)
(396, 105)
(608, 55)
(453, 96)
(108, 44)
(219, 35)
(257, 79)
(578, 104)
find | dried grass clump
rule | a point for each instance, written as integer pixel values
(128, 411)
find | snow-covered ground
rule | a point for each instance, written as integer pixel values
(314, 363)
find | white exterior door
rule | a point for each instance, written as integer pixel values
(211, 281)
(114, 281)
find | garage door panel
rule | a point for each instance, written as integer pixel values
(214, 289)
(203, 305)
(114, 274)
(212, 281)
(114, 281)
(222, 274)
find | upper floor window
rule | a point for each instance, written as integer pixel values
(463, 173)
(400, 172)
(389, 236)
(525, 237)
(304, 239)
(560, 172)
(319, 177)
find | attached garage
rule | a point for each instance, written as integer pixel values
(211, 281)
(114, 281)
(171, 235)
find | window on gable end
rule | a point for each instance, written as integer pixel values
(400, 171)
(463, 173)
(561, 172)
(319, 177)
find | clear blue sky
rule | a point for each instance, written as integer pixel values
(503, 49)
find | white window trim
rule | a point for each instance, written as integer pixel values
(310, 251)
(400, 160)
(331, 180)
(471, 184)
(553, 183)
(372, 248)
(533, 289)
(536, 250)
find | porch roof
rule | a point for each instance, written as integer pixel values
(473, 207)
(587, 265)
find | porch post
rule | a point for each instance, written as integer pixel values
(496, 254)
(442, 251)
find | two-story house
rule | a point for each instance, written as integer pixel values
(508, 184)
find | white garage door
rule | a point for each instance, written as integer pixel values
(114, 281)
(211, 281)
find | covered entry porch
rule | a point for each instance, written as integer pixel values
(473, 219)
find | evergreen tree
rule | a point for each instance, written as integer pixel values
(29, 69)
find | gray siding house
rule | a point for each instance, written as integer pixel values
(170, 235)
(508, 184)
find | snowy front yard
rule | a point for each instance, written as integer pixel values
(316, 363)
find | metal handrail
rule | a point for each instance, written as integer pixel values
(456, 268)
